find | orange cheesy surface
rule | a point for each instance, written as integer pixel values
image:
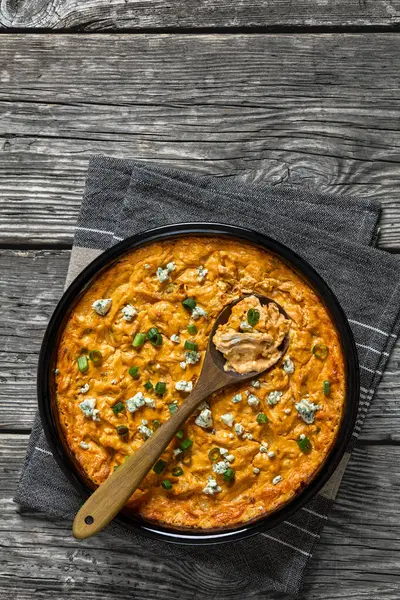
(256, 444)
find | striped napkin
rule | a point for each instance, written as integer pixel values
(337, 235)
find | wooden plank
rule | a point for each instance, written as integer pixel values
(118, 15)
(315, 110)
(31, 283)
(358, 555)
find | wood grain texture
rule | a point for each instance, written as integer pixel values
(119, 15)
(358, 556)
(322, 111)
(31, 283)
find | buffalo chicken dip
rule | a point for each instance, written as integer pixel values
(132, 350)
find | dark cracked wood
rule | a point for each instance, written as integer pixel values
(120, 15)
(321, 111)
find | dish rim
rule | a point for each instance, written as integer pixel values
(46, 379)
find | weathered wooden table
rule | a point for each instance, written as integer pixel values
(303, 92)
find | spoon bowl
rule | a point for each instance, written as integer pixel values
(223, 317)
(110, 497)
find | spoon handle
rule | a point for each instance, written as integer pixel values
(111, 496)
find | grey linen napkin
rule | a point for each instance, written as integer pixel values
(336, 235)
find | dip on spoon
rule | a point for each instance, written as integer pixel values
(259, 352)
(251, 338)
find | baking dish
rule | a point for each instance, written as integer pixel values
(47, 396)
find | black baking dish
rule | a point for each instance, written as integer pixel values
(47, 397)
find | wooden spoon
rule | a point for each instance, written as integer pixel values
(110, 497)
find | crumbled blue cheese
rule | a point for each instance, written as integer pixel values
(150, 402)
(212, 487)
(102, 306)
(56, 371)
(163, 274)
(183, 365)
(276, 479)
(145, 431)
(192, 357)
(288, 365)
(137, 401)
(114, 382)
(201, 273)
(247, 436)
(198, 312)
(231, 436)
(256, 470)
(129, 312)
(176, 452)
(204, 419)
(239, 429)
(263, 449)
(84, 389)
(287, 411)
(245, 326)
(88, 407)
(252, 400)
(184, 386)
(307, 410)
(274, 397)
(229, 457)
(175, 338)
(220, 467)
(228, 419)
(271, 454)
(237, 398)
(255, 384)
(84, 445)
(302, 436)
(223, 451)
(147, 266)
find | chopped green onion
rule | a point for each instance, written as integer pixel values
(192, 329)
(154, 336)
(139, 340)
(304, 444)
(177, 471)
(155, 424)
(172, 407)
(229, 475)
(134, 372)
(186, 444)
(148, 385)
(167, 485)
(159, 466)
(320, 351)
(83, 363)
(262, 419)
(214, 454)
(96, 357)
(160, 388)
(190, 346)
(189, 303)
(253, 316)
(327, 388)
(122, 430)
(116, 467)
(117, 408)
(179, 434)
